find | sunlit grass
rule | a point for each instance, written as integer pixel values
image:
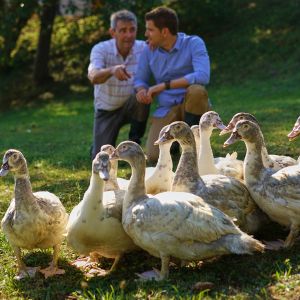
(55, 137)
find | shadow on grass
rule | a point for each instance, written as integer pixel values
(231, 275)
(55, 287)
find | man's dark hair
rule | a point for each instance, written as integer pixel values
(163, 17)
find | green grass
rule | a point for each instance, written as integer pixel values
(255, 68)
(55, 137)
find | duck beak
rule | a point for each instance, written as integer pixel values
(219, 124)
(234, 137)
(294, 133)
(227, 129)
(104, 174)
(166, 136)
(114, 155)
(4, 169)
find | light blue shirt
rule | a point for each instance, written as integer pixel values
(188, 58)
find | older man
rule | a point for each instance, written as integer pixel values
(113, 64)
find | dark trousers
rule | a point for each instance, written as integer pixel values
(107, 124)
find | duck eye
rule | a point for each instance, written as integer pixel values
(5, 166)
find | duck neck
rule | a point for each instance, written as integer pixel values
(23, 192)
(253, 162)
(206, 158)
(267, 161)
(93, 197)
(136, 188)
(112, 183)
(164, 159)
(187, 165)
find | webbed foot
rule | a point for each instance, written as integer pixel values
(51, 271)
(27, 272)
(149, 275)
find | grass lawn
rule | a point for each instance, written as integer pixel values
(55, 137)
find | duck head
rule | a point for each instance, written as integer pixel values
(128, 151)
(176, 131)
(210, 121)
(238, 117)
(101, 165)
(244, 130)
(163, 136)
(14, 161)
(109, 149)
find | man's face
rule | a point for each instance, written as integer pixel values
(125, 34)
(154, 35)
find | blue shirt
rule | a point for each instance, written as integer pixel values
(188, 58)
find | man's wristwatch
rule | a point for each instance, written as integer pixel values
(167, 84)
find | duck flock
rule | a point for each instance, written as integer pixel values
(208, 207)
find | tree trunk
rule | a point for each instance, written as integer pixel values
(41, 71)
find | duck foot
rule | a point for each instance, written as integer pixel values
(83, 262)
(28, 272)
(149, 275)
(97, 272)
(274, 245)
(51, 271)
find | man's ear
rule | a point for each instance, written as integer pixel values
(112, 32)
(165, 31)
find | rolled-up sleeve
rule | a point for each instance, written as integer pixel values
(96, 58)
(143, 72)
(200, 61)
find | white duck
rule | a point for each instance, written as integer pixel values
(95, 223)
(295, 131)
(276, 162)
(157, 179)
(276, 193)
(176, 224)
(229, 166)
(224, 192)
(161, 178)
(32, 220)
(114, 182)
(196, 133)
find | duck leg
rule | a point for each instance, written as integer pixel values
(53, 268)
(155, 274)
(86, 261)
(95, 271)
(164, 272)
(115, 264)
(290, 240)
(23, 270)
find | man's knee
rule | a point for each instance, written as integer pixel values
(196, 100)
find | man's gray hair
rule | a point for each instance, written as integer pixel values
(122, 15)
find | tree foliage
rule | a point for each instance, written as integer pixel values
(60, 47)
(14, 15)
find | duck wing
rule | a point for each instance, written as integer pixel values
(283, 187)
(183, 216)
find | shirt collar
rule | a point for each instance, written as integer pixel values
(116, 52)
(177, 44)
